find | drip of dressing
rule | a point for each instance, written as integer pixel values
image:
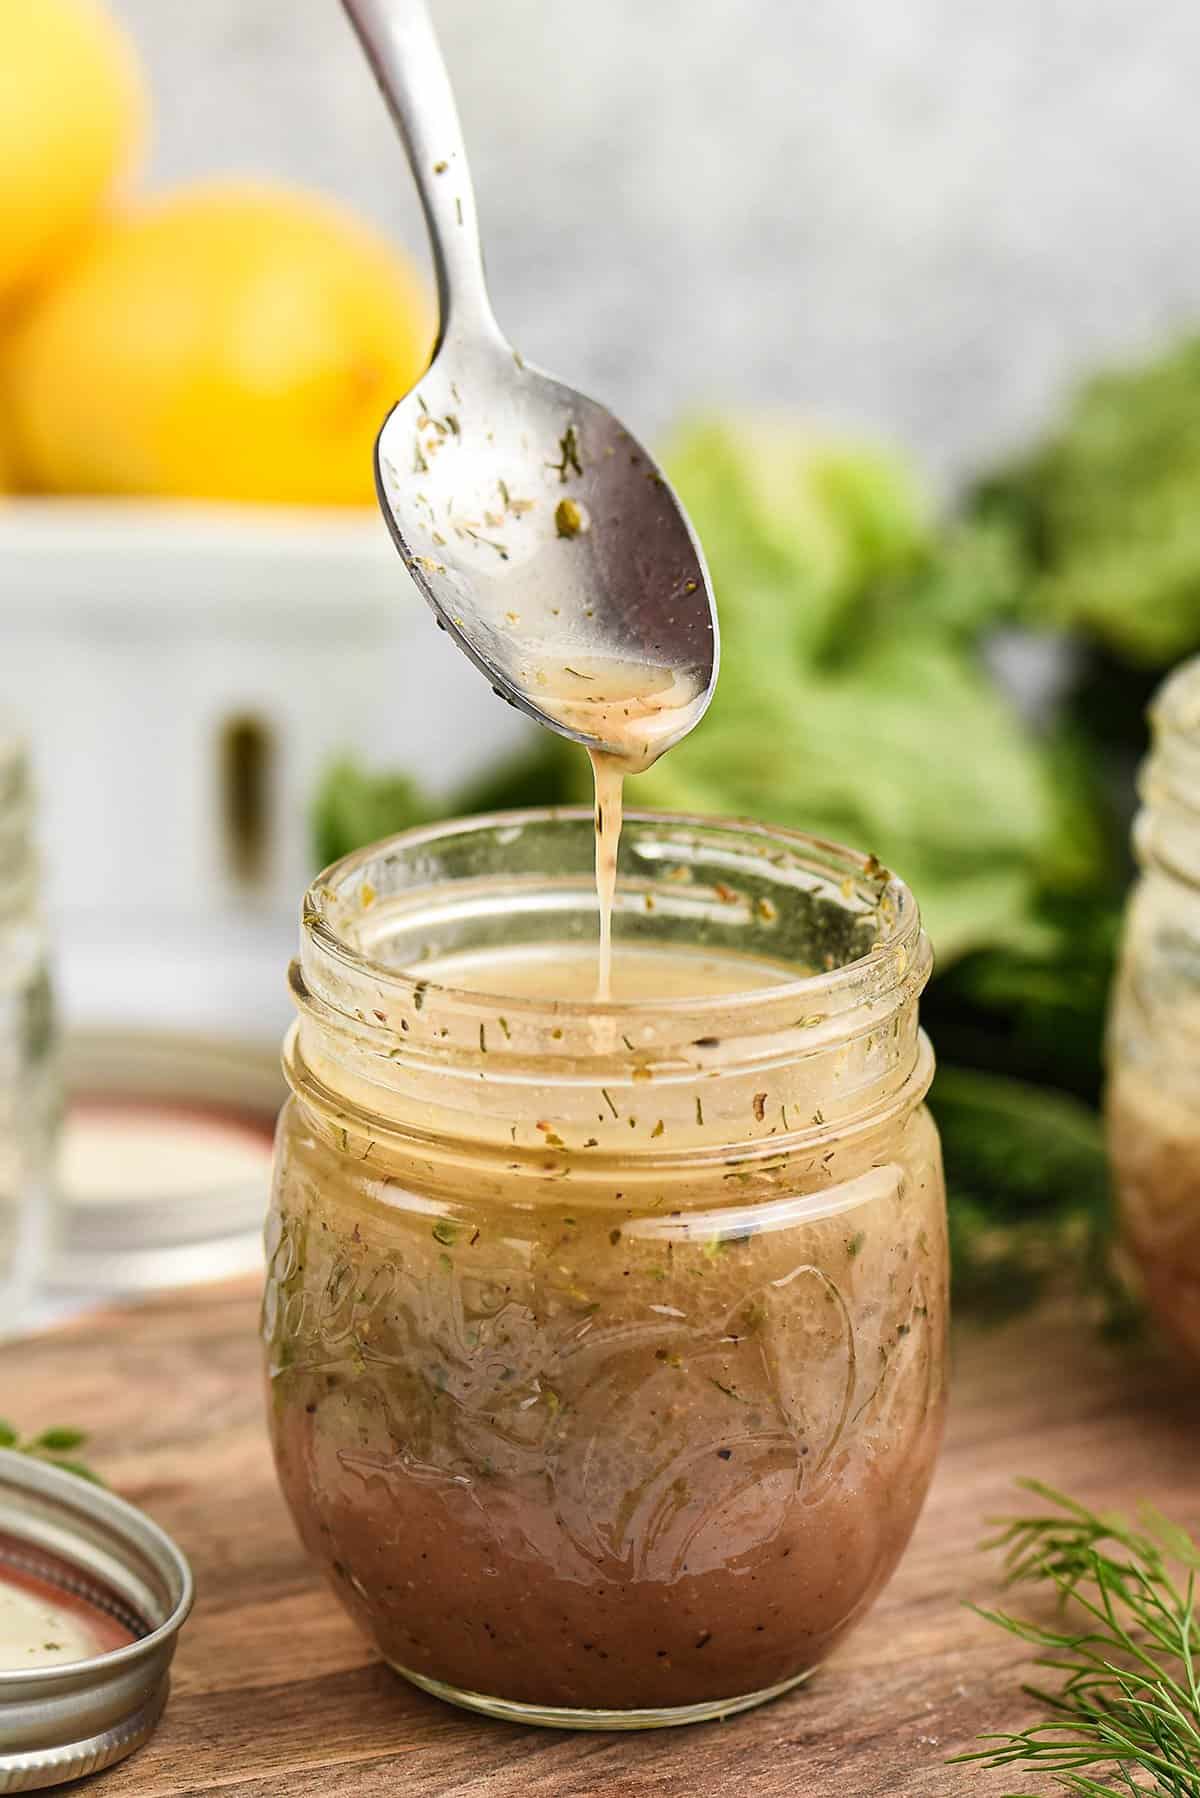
(608, 774)
(637, 711)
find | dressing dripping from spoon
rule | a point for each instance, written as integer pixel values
(637, 710)
(546, 539)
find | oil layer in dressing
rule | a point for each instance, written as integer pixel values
(650, 972)
(636, 711)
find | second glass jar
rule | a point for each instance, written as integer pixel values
(29, 1067)
(606, 1342)
(1153, 1097)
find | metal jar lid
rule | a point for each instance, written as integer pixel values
(58, 1722)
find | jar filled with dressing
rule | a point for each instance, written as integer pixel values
(606, 1338)
(1153, 1099)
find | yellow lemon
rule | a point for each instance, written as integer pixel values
(71, 110)
(231, 342)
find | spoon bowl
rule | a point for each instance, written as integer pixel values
(548, 543)
(545, 537)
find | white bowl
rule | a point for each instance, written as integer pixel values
(161, 656)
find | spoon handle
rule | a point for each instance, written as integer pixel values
(400, 45)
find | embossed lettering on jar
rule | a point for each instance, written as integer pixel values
(606, 1343)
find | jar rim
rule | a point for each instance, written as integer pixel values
(859, 875)
(382, 1039)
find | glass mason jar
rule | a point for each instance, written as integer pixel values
(29, 1092)
(606, 1342)
(1153, 1101)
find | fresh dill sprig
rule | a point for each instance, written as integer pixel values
(1126, 1707)
(56, 1445)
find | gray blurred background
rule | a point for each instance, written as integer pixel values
(917, 216)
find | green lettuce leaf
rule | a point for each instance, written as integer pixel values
(353, 806)
(1107, 511)
(794, 527)
(851, 701)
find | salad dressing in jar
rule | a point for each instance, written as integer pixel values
(606, 1338)
(1153, 1100)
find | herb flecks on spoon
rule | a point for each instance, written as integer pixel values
(1125, 1646)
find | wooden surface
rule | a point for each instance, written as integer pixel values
(276, 1696)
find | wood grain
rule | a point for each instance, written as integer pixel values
(276, 1696)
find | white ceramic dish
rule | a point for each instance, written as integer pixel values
(137, 640)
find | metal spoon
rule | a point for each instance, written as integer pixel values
(545, 538)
